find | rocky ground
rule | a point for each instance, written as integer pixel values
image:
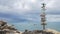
(47, 31)
(53, 31)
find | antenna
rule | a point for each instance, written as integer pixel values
(43, 16)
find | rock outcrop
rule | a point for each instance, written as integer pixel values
(5, 28)
(48, 31)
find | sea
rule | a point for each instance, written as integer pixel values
(36, 26)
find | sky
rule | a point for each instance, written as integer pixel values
(28, 11)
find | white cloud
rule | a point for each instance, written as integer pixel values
(21, 6)
(28, 4)
(18, 7)
(53, 18)
(50, 4)
(4, 8)
(33, 1)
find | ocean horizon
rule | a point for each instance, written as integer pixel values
(36, 26)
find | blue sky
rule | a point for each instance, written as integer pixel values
(28, 11)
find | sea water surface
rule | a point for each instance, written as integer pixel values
(36, 26)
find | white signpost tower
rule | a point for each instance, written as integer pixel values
(43, 16)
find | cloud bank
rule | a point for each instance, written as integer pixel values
(22, 11)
